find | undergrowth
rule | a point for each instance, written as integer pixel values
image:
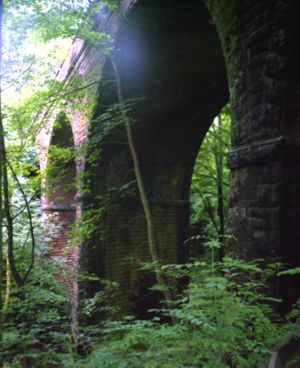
(224, 318)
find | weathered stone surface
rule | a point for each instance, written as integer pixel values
(259, 40)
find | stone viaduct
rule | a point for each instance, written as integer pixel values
(179, 62)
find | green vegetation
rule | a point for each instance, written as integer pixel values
(220, 322)
(210, 182)
(37, 327)
(219, 315)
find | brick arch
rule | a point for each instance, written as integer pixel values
(166, 54)
(178, 82)
(171, 62)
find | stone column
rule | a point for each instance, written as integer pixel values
(259, 44)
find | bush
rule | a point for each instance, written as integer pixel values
(37, 323)
(223, 319)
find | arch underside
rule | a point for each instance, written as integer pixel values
(173, 74)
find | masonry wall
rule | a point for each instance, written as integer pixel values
(260, 48)
(125, 250)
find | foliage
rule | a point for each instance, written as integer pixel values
(210, 181)
(37, 326)
(223, 318)
(94, 220)
(221, 322)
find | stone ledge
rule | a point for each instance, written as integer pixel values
(254, 152)
(137, 202)
(60, 208)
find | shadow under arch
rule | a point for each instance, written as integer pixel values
(173, 75)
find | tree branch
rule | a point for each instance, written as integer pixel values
(145, 202)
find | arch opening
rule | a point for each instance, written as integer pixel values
(59, 207)
(61, 165)
(209, 193)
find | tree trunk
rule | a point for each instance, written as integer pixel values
(8, 287)
(1, 211)
(160, 278)
(218, 154)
